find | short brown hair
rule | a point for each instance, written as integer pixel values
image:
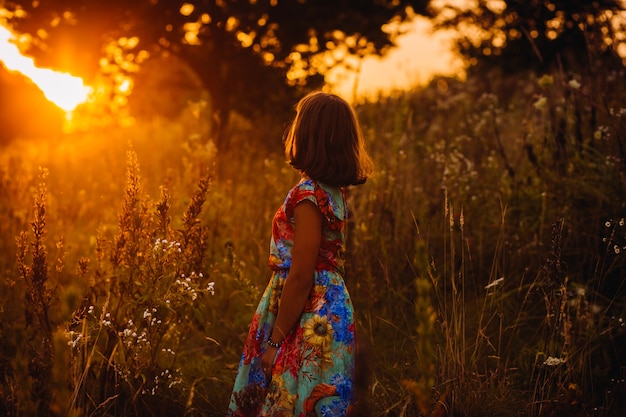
(325, 141)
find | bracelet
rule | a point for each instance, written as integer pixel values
(273, 344)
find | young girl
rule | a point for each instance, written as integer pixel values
(298, 359)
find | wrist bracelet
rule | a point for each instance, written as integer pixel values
(273, 344)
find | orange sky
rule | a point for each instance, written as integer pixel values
(418, 56)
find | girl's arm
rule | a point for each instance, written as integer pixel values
(306, 245)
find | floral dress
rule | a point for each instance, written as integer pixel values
(314, 367)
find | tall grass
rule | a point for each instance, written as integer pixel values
(486, 257)
(512, 195)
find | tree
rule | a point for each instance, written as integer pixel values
(253, 56)
(537, 34)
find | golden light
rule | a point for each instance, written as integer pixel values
(62, 89)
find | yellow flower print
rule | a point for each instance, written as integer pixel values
(275, 298)
(318, 332)
(283, 402)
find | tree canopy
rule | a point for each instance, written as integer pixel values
(538, 34)
(258, 57)
(251, 55)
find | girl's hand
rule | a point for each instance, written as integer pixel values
(267, 361)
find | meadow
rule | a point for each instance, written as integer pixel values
(486, 257)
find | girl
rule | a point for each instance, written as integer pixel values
(298, 359)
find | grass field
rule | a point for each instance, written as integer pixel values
(486, 257)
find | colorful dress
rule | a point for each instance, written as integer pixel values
(314, 368)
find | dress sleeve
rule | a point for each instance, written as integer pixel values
(310, 190)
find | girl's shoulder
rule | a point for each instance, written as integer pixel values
(327, 198)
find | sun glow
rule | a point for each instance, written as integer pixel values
(62, 89)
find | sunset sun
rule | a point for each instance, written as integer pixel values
(63, 89)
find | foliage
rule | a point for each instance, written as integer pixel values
(38, 297)
(485, 257)
(527, 177)
(251, 56)
(541, 35)
(143, 309)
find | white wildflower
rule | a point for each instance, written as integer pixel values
(574, 84)
(540, 104)
(552, 361)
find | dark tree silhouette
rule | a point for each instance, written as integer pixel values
(537, 34)
(253, 56)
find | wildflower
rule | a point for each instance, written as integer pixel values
(211, 287)
(597, 135)
(552, 361)
(73, 343)
(574, 84)
(540, 104)
(546, 81)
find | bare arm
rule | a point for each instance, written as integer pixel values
(306, 245)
